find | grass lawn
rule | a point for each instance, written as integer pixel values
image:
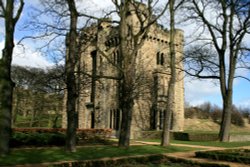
(206, 143)
(214, 143)
(32, 156)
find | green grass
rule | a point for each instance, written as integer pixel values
(214, 143)
(216, 132)
(206, 143)
(31, 156)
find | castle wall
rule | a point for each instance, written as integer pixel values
(153, 74)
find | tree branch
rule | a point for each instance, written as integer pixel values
(202, 76)
(19, 11)
(3, 9)
(243, 78)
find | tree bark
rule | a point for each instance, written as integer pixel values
(226, 120)
(71, 79)
(6, 84)
(127, 74)
(228, 94)
(171, 85)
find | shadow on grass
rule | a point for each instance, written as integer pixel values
(34, 156)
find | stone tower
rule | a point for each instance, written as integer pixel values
(98, 105)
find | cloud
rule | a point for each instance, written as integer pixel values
(25, 56)
(200, 91)
(245, 103)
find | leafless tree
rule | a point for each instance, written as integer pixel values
(134, 24)
(171, 85)
(220, 53)
(62, 25)
(173, 64)
(10, 17)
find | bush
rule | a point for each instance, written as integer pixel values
(190, 112)
(196, 112)
(237, 119)
(236, 155)
(216, 115)
(55, 137)
(37, 139)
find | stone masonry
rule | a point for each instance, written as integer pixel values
(98, 105)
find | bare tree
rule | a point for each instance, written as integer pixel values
(171, 85)
(71, 61)
(62, 24)
(218, 55)
(134, 25)
(7, 12)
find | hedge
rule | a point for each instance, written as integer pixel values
(156, 160)
(55, 136)
(232, 155)
(184, 136)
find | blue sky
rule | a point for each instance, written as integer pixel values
(196, 91)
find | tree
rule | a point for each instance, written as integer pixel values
(134, 24)
(62, 25)
(7, 12)
(171, 85)
(174, 65)
(219, 55)
(37, 91)
(71, 62)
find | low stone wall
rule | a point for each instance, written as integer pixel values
(188, 136)
(177, 136)
(235, 138)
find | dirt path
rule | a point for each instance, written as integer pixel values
(191, 154)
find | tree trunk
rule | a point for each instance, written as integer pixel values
(124, 137)
(16, 104)
(6, 89)
(126, 98)
(6, 84)
(171, 85)
(227, 95)
(226, 120)
(71, 79)
(127, 74)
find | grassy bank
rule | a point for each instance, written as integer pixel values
(32, 156)
(206, 143)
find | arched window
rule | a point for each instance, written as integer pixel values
(116, 57)
(115, 115)
(161, 119)
(160, 58)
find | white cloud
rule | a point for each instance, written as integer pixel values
(25, 56)
(244, 103)
(200, 91)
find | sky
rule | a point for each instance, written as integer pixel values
(196, 91)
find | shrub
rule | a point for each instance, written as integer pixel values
(236, 155)
(56, 136)
(216, 115)
(196, 112)
(190, 112)
(203, 114)
(37, 139)
(237, 119)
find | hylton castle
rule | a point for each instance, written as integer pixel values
(98, 102)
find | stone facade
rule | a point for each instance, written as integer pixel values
(98, 105)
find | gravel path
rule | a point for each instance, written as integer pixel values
(191, 154)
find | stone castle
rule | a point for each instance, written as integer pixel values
(98, 104)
